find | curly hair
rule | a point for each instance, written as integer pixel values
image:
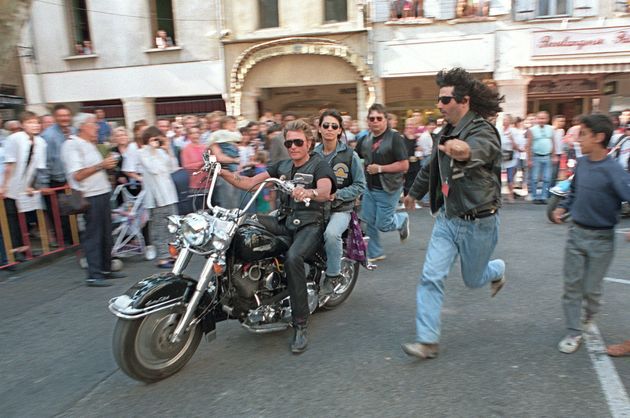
(483, 100)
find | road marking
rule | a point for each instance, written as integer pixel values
(622, 281)
(622, 230)
(616, 395)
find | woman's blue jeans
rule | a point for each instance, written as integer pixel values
(337, 224)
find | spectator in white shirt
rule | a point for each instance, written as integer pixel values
(25, 158)
(86, 172)
(158, 162)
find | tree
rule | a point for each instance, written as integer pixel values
(15, 14)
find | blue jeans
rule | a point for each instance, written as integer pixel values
(541, 166)
(337, 225)
(474, 242)
(378, 211)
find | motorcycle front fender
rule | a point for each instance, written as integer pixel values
(156, 292)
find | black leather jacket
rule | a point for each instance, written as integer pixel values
(473, 186)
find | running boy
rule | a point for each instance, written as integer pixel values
(598, 188)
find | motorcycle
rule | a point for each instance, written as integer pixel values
(161, 318)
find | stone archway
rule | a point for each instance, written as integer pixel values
(298, 46)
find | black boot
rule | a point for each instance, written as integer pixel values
(300, 340)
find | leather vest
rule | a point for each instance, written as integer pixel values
(390, 182)
(342, 167)
(297, 213)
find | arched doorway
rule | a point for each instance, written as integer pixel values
(307, 73)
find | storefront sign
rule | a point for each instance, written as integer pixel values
(563, 87)
(581, 41)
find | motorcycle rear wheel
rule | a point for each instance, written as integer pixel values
(143, 350)
(350, 272)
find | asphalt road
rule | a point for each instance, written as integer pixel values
(498, 356)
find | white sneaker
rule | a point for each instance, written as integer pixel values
(570, 344)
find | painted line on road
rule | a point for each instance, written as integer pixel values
(622, 230)
(615, 392)
(622, 281)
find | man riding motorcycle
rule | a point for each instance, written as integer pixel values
(351, 184)
(302, 215)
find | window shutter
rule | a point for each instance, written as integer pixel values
(524, 9)
(446, 9)
(584, 8)
(499, 7)
(380, 10)
(431, 8)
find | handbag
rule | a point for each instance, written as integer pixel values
(507, 155)
(356, 248)
(72, 203)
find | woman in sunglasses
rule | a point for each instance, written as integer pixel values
(302, 225)
(350, 185)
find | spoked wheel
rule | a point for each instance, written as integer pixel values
(143, 350)
(343, 287)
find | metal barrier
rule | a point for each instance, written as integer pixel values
(44, 241)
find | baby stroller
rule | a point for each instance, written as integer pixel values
(129, 216)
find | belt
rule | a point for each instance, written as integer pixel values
(542, 155)
(478, 215)
(593, 228)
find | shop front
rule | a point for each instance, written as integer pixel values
(579, 71)
(408, 69)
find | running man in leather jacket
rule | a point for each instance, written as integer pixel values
(303, 225)
(463, 180)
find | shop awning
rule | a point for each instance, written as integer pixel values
(535, 70)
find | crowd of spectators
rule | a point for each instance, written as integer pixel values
(165, 159)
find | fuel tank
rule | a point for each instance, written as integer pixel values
(254, 242)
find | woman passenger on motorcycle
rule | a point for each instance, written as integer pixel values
(301, 224)
(351, 184)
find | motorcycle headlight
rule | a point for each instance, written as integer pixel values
(196, 229)
(174, 223)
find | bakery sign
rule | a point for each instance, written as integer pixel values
(581, 41)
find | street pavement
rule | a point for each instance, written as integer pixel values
(498, 357)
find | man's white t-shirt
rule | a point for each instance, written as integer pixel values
(78, 154)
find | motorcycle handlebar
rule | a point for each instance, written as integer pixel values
(211, 165)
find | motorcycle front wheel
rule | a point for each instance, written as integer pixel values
(350, 273)
(144, 351)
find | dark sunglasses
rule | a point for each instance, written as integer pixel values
(445, 99)
(289, 143)
(375, 118)
(327, 125)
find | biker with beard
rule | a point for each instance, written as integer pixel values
(302, 225)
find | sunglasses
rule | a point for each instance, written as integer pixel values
(289, 143)
(327, 125)
(375, 118)
(445, 99)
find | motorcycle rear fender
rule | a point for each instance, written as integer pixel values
(156, 292)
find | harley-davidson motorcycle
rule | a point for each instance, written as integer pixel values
(161, 318)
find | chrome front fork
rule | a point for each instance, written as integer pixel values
(202, 285)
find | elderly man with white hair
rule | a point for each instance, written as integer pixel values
(86, 172)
